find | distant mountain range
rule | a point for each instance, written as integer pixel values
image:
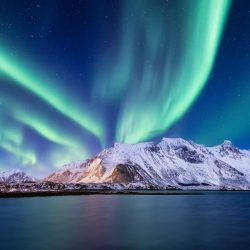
(174, 162)
(171, 163)
(16, 176)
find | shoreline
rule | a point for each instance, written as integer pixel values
(95, 192)
(18, 194)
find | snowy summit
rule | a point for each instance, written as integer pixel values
(171, 162)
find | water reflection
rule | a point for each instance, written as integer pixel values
(212, 221)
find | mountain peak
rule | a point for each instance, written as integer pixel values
(173, 139)
(227, 143)
(140, 144)
(227, 149)
(10, 172)
(228, 146)
(16, 175)
(173, 161)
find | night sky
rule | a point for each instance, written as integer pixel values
(77, 76)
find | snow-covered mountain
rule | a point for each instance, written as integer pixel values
(172, 162)
(15, 176)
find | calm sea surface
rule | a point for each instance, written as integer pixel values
(213, 220)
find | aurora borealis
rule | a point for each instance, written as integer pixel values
(194, 53)
(76, 76)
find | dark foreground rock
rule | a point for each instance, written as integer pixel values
(51, 189)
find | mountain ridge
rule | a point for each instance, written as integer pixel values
(15, 176)
(171, 162)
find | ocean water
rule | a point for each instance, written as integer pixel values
(212, 220)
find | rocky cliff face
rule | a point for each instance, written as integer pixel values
(172, 162)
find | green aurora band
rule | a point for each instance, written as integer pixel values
(162, 62)
(11, 140)
(40, 122)
(162, 65)
(49, 92)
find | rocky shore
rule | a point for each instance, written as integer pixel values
(31, 189)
